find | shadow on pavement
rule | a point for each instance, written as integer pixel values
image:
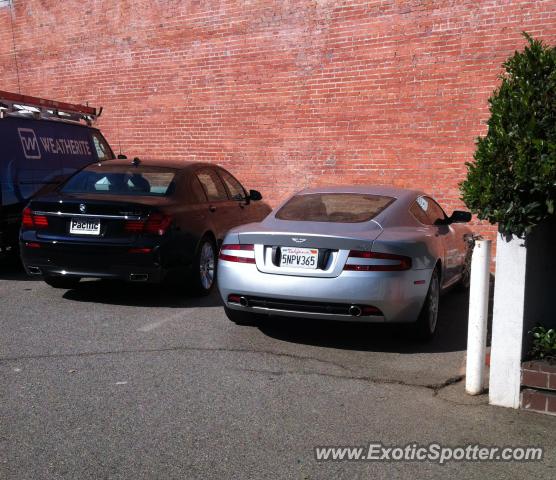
(142, 295)
(11, 269)
(451, 335)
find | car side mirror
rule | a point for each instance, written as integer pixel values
(255, 195)
(459, 216)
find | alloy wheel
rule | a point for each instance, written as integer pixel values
(206, 265)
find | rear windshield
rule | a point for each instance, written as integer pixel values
(120, 180)
(333, 207)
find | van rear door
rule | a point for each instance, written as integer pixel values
(47, 152)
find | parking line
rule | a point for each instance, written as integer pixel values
(151, 326)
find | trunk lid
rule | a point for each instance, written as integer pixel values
(112, 211)
(332, 240)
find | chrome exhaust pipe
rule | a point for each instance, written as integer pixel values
(355, 311)
(138, 277)
(34, 270)
(243, 302)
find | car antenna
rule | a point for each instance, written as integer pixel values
(121, 156)
(136, 162)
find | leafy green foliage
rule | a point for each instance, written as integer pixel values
(512, 181)
(544, 343)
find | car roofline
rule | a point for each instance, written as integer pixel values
(386, 190)
(171, 164)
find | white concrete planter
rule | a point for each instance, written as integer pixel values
(507, 322)
(524, 292)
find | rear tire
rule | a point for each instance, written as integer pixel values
(425, 328)
(204, 267)
(242, 318)
(62, 282)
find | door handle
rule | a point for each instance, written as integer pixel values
(212, 208)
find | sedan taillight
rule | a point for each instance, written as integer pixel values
(32, 221)
(240, 253)
(376, 262)
(158, 223)
(155, 224)
(134, 226)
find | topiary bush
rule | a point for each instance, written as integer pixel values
(512, 180)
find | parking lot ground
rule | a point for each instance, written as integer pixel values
(126, 381)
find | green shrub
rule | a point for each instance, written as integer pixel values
(512, 181)
(544, 343)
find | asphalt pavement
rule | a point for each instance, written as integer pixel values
(116, 381)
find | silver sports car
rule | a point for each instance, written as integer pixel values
(372, 254)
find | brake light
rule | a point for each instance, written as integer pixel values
(134, 226)
(156, 224)
(41, 221)
(240, 253)
(376, 262)
(30, 220)
(27, 221)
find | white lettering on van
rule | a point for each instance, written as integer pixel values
(64, 146)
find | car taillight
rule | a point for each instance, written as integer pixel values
(240, 253)
(41, 221)
(30, 220)
(376, 262)
(134, 226)
(155, 224)
(158, 223)
(27, 220)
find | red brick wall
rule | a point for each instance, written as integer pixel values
(286, 93)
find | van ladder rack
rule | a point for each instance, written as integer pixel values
(11, 103)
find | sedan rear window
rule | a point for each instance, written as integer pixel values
(118, 180)
(334, 207)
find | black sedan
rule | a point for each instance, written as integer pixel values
(137, 221)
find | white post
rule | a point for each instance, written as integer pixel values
(478, 317)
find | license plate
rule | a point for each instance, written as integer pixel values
(85, 226)
(299, 257)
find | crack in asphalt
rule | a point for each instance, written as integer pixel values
(435, 387)
(172, 349)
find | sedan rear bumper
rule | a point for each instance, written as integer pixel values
(116, 273)
(399, 296)
(112, 263)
